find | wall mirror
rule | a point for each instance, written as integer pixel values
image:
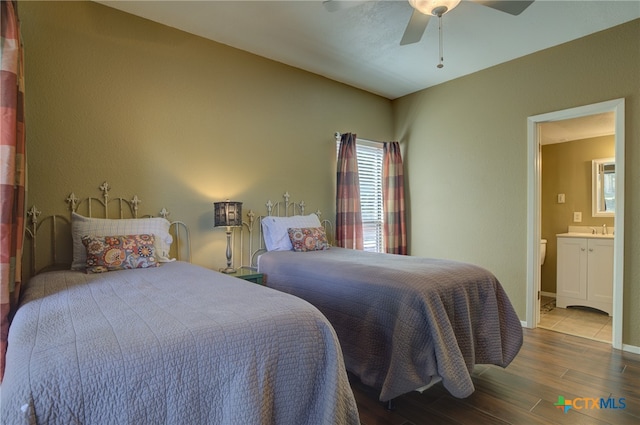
(603, 184)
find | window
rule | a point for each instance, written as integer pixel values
(603, 187)
(370, 172)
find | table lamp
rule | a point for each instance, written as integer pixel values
(228, 214)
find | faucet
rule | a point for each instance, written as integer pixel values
(604, 229)
(594, 231)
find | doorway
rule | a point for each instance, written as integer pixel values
(569, 148)
(534, 208)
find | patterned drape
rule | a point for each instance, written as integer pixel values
(395, 228)
(12, 169)
(348, 212)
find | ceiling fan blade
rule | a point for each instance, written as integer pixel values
(512, 7)
(336, 5)
(415, 28)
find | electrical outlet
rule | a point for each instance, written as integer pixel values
(561, 198)
(577, 217)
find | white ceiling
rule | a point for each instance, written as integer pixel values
(577, 128)
(359, 46)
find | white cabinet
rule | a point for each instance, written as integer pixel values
(585, 273)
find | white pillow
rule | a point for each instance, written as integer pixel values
(86, 226)
(276, 230)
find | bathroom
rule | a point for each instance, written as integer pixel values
(566, 206)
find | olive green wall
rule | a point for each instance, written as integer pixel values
(466, 155)
(176, 119)
(566, 168)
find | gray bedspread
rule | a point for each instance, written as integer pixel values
(403, 321)
(177, 344)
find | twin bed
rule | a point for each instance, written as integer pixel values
(404, 323)
(145, 342)
(162, 341)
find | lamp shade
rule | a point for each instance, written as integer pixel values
(434, 7)
(227, 213)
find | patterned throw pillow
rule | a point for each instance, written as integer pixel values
(156, 226)
(308, 239)
(108, 253)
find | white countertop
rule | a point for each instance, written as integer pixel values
(583, 235)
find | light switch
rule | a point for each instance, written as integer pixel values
(561, 198)
(577, 217)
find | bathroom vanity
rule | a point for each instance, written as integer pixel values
(585, 271)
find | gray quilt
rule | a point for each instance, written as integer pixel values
(178, 344)
(403, 321)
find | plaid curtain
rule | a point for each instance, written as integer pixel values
(348, 213)
(395, 227)
(12, 169)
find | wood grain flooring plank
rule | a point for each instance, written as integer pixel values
(463, 413)
(501, 406)
(619, 383)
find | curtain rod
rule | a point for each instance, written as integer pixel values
(360, 138)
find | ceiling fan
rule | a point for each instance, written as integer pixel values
(424, 9)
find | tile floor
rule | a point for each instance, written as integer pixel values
(579, 321)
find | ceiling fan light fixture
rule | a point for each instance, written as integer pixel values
(434, 7)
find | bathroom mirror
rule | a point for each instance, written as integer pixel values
(603, 186)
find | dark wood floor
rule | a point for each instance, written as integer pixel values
(549, 365)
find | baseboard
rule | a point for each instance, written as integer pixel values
(548, 294)
(631, 348)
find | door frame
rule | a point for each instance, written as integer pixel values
(534, 179)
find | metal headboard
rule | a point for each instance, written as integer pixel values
(255, 237)
(126, 208)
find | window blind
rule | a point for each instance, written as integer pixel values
(370, 172)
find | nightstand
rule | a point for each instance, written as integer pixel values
(249, 274)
